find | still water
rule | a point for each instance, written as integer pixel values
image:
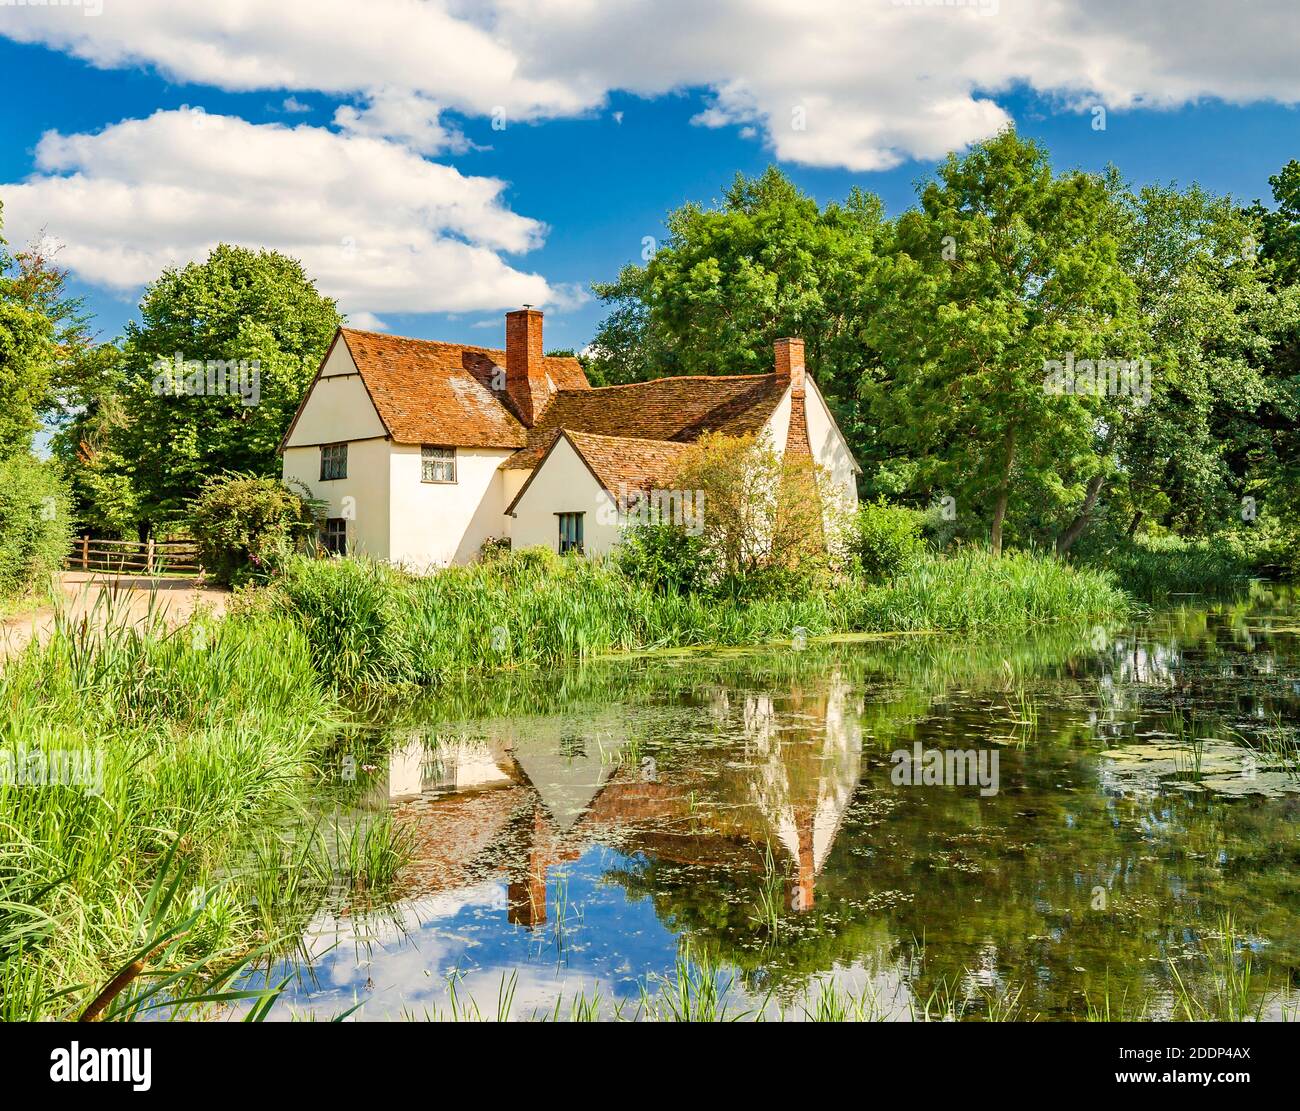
(1124, 843)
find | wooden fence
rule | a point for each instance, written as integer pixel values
(135, 557)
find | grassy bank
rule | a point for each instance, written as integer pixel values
(371, 627)
(156, 755)
(1155, 569)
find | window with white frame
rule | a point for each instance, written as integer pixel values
(334, 536)
(437, 464)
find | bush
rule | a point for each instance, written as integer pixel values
(246, 525)
(36, 526)
(1267, 546)
(884, 540)
(665, 557)
(494, 547)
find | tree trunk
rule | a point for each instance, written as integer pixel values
(1080, 522)
(1133, 524)
(1004, 492)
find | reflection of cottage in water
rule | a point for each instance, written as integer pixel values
(539, 792)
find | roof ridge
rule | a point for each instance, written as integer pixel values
(676, 378)
(429, 342)
(608, 436)
(442, 343)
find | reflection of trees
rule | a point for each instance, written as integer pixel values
(790, 750)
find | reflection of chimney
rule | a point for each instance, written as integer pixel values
(526, 896)
(802, 887)
(790, 368)
(526, 382)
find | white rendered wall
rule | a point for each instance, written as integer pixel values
(564, 485)
(361, 498)
(434, 524)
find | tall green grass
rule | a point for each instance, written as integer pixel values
(1155, 568)
(187, 741)
(371, 626)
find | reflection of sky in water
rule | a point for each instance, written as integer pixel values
(607, 943)
(654, 806)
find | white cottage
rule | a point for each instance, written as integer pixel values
(424, 450)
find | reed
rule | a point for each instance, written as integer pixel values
(134, 753)
(372, 627)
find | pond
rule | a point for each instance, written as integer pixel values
(1076, 823)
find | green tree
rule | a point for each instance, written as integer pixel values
(1004, 268)
(1276, 445)
(728, 281)
(1279, 226)
(27, 356)
(245, 524)
(1209, 320)
(239, 306)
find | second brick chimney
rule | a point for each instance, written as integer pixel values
(526, 383)
(790, 368)
(789, 364)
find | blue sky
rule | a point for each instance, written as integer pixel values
(593, 172)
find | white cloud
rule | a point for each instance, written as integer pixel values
(366, 322)
(878, 81)
(379, 227)
(408, 117)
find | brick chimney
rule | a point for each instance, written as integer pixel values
(526, 382)
(790, 368)
(789, 364)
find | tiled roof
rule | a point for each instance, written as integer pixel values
(621, 464)
(441, 393)
(619, 461)
(680, 410)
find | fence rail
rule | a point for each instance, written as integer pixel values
(135, 557)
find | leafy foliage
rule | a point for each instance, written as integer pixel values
(1004, 267)
(258, 307)
(245, 524)
(27, 352)
(36, 525)
(728, 281)
(763, 515)
(884, 540)
(666, 557)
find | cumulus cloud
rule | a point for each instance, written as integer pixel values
(379, 227)
(862, 84)
(408, 117)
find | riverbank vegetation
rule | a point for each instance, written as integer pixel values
(136, 764)
(1052, 359)
(991, 502)
(371, 626)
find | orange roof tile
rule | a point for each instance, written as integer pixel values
(679, 409)
(621, 464)
(441, 393)
(619, 461)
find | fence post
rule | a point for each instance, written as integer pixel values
(148, 557)
(85, 552)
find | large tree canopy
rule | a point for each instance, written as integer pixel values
(258, 313)
(768, 262)
(27, 355)
(934, 335)
(1005, 271)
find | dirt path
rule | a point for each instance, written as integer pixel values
(175, 598)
